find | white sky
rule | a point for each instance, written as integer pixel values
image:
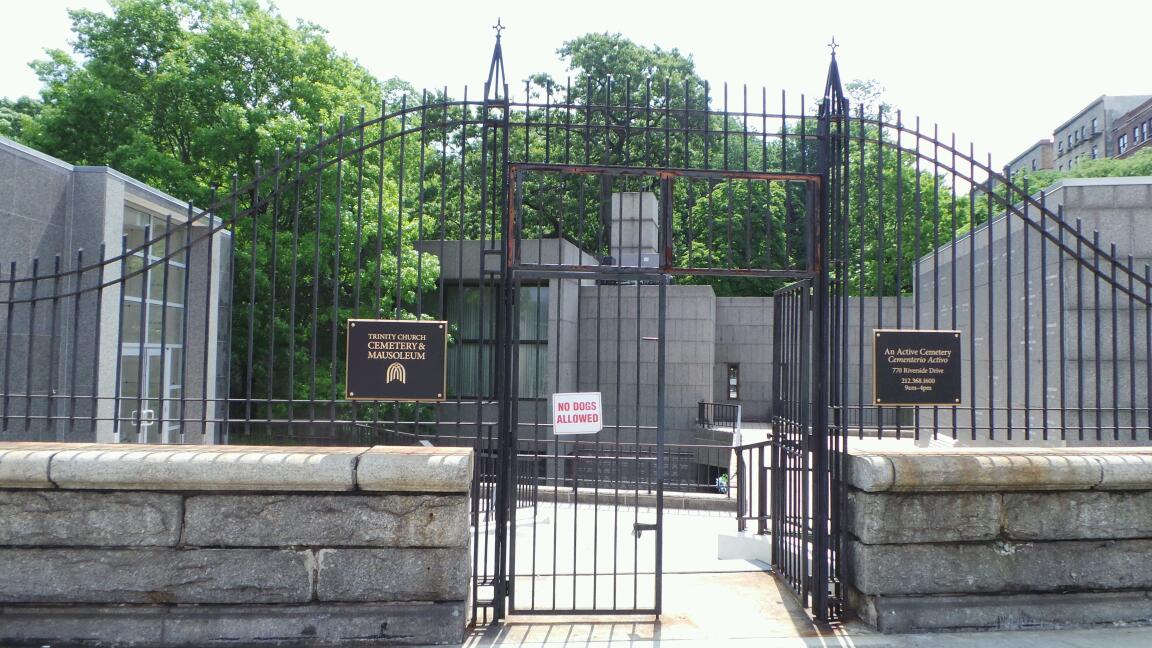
(1001, 74)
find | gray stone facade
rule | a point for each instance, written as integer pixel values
(63, 365)
(1044, 349)
(1038, 157)
(300, 552)
(744, 338)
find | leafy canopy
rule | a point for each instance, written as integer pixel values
(182, 93)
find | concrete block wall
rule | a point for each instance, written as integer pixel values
(744, 337)
(1004, 538)
(864, 315)
(1032, 321)
(618, 354)
(191, 545)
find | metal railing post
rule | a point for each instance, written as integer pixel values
(762, 492)
(741, 509)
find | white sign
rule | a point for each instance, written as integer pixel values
(577, 413)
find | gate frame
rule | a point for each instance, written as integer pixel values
(511, 271)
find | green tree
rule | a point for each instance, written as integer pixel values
(900, 208)
(187, 94)
(18, 115)
(1138, 164)
(183, 93)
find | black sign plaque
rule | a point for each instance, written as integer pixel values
(916, 367)
(396, 360)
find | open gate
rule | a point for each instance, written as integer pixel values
(586, 312)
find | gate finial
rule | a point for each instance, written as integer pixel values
(496, 87)
(834, 100)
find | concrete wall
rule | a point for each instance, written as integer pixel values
(618, 360)
(864, 315)
(1037, 341)
(193, 545)
(998, 539)
(744, 337)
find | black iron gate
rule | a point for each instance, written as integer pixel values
(506, 218)
(580, 322)
(793, 523)
(595, 282)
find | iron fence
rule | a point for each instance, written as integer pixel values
(718, 415)
(752, 484)
(225, 324)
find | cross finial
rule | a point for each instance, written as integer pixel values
(833, 45)
(499, 27)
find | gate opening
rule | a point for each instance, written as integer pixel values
(623, 262)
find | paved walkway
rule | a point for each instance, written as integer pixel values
(753, 609)
(707, 601)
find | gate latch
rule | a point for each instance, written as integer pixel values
(640, 527)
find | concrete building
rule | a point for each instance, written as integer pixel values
(1086, 135)
(134, 356)
(1039, 156)
(1132, 131)
(1038, 352)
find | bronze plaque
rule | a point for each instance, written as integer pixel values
(916, 367)
(398, 360)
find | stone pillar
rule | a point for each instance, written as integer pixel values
(635, 229)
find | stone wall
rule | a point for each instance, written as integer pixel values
(618, 355)
(744, 338)
(999, 538)
(191, 545)
(1048, 348)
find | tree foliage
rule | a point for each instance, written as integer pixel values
(16, 116)
(183, 93)
(1138, 164)
(187, 94)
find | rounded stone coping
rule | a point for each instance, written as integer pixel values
(1000, 469)
(234, 468)
(415, 469)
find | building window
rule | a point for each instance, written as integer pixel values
(471, 313)
(1122, 144)
(1033, 165)
(152, 327)
(1095, 128)
(733, 382)
(1095, 151)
